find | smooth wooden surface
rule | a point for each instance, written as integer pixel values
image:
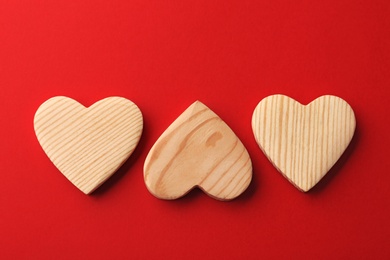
(303, 142)
(198, 150)
(88, 144)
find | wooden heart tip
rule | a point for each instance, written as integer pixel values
(197, 105)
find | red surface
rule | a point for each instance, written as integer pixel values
(163, 55)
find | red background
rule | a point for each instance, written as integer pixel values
(164, 55)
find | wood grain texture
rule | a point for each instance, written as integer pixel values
(198, 150)
(88, 144)
(303, 142)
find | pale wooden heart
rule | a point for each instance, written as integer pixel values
(303, 142)
(198, 150)
(88, 144)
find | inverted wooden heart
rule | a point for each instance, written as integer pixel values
(303, 142)
(198, 150)
(88, 144)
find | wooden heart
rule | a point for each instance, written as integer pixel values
(303, 142)
(88, 144)
(198, 150)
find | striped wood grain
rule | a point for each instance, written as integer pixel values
(88, 144)
(303, 142)
(198, 150)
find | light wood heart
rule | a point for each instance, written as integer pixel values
(88, 144)
(303, 142)
(198, 150)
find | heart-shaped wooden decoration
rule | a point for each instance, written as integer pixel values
(303, 142)
(88, 144)
(198, 150)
